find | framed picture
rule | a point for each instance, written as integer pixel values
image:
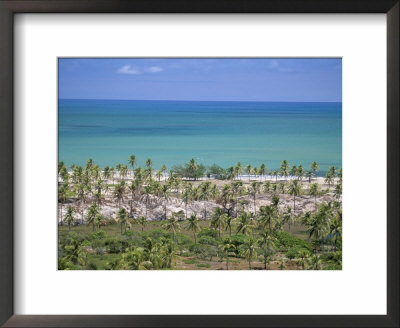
(199, 152)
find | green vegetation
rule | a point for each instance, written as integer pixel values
(133, 218)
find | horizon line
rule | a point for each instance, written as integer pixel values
(177, 100)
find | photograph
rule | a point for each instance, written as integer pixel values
(199, 163)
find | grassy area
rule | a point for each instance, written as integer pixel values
(108, 249)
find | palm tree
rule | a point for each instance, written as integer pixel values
(338, 191)
(313, 190)
(172, 224)
(238, 169)
(267, 244)
(112, 174)
(329, 178)
(62, 197)
(123, 171)
(142, 221)
(249, 250)
(253, 190)
(275, 202)
(336, 230)
(266, 216)
(314, 263)
(300, 172)
(204, 195)
(81, 193)
(284, 168)
(309, 175)
(275, 173)
(267, 186)
(244, 223)
(303, 255)
(69, 217)
(263, 170)
(318, 224)
(295, 190)
(218, 220)
(159, 174)
(163, 169)
(132, 163)
(248, 170)
(147, 192)
(281, 187)
(122, 217)
(98, 192)
(227, 247)
(228, 223)
(119, 192)
(293, 170)
(187, 195)
(287, 216)
(314, 167)
(91, 215)
(193, 225)
(237, 191)
(149, 168)
(165, 194)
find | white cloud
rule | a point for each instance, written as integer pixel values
(154, 69)
(127, 69)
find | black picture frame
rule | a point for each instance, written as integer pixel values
(10, 7)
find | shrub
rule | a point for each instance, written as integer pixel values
(92, 265)
(183, 240)
(208, 232)
(115, 245)
(285, 241)
(237, 240)
(203, 265)
(190, 261)
(295, 252)
(333, 266)
(156, 234)
(206, 251)
(99, 234)
(207, 240)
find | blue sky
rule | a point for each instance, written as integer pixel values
(240, 79)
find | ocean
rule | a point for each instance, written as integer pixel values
(222, 133)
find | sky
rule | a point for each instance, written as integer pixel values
(202, 79)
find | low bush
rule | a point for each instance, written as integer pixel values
(207, 240)
(99, 234)
(203, 265)
(296, 252)
(208, 232)
(115, 245)
(190, 261)
(286, 241)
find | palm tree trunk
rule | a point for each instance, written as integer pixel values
(69, 226)
(294, 204)
(61, 214)
(249, 264)
(194, 235)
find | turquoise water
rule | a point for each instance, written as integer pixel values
(172, 132)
